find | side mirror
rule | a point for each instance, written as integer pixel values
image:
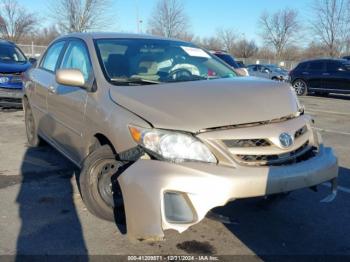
(32, 60)
(266, 71)
(70, 77)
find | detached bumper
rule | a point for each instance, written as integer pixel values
(11, 97)
(206, 186)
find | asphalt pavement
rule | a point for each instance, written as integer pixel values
(41, 211)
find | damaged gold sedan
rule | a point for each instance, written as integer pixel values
(164, 132)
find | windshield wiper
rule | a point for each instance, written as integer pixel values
(134, 80)
(188, 79)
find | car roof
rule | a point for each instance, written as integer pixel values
(323, 60)
(107, 35)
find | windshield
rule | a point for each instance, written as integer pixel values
(149, 61)
(11, 54)
(276, 68)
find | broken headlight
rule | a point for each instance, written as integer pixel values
(173, 146)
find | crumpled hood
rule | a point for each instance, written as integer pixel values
(9, 68)
(196, 105)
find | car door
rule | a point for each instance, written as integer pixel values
(43, 77)
(66, 104)
(315, 74)
(337, 76)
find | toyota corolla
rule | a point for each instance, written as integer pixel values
(163, 131)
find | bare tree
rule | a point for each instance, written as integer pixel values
(15, 21)
(245, 49)
(331, 24)
(228, 38)
(314, 49)
(45, 35)
(169, 19)
(81, 15)
(292, 52)
(265, 52)
(210, 43)
(279, 29)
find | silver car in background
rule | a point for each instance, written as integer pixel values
(269, 71)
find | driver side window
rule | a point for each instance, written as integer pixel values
(77, 57)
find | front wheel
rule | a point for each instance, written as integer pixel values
(300, 87)
(31, 131)
(98, 183)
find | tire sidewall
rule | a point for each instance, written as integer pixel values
(33, 141)
(88, 181)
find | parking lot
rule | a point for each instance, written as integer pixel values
(41, 211)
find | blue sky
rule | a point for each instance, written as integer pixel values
(205, 15)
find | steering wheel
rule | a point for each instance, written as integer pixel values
(180, 74)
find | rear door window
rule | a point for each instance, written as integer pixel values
(302, 66)
(52, 55)
(336, 66)
(317, 66)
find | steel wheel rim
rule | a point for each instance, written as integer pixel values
(106, 169)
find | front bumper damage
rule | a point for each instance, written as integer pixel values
(205, 186)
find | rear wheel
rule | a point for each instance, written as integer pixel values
(99, 187)
(32, 134)
(300, 87)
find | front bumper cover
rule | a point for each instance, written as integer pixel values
(207, 186)
(11, 97)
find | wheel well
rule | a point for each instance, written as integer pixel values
(25, 99)
(298, 79)
(103, 140)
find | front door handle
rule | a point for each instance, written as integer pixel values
(325, 74)
(52, 90)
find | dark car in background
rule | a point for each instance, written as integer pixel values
(12, 65)
(346, 57)
(321, 76)
(238, 67)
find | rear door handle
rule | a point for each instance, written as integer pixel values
(325, 74)
(305, 73)
(52, 90)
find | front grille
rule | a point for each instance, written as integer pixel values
(246, 143)
(14, 78)
(302, 153)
